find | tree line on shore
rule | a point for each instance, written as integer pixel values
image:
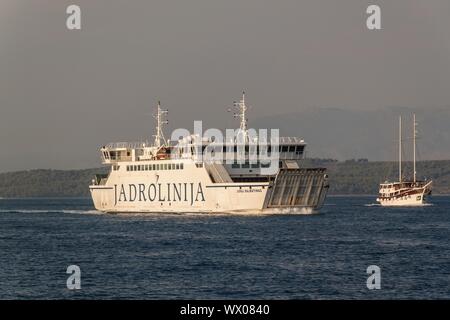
(349, 177)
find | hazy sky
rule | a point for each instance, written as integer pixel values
(65, 93)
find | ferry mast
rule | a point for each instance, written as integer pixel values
(241, 113)
(160, 121)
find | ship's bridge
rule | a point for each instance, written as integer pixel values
(284, 148)
(244, 146)
(122, 151)
(287, 148)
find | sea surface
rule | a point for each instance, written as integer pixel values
(199, 256)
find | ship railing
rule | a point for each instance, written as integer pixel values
(291, 140)
(127, 145)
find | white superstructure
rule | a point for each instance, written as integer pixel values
(178, 177)
(405, 193)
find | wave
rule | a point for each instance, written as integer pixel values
(265, 212)
(271, 211)
(400, 207)
(50, 211)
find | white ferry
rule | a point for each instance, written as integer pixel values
(405, 193)
(175, 177)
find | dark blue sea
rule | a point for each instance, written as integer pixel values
(186, 256)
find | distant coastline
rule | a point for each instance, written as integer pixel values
(348, 178)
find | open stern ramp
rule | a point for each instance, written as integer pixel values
(302, 187)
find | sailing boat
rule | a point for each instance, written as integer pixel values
(405, 193)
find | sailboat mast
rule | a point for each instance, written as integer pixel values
(414, 147)
(400, 149)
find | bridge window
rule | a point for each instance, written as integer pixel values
(291, 148)
(255, 165)
(181, 166)
(284, 148)
(245, 165)
(299, 149)
(265, 165)
(235, 165)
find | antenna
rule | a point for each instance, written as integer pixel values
(160, 121)
(400, 149)
(240, 112)
(414, 146)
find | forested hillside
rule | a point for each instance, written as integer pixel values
(349, 177)
(363, 177)
(47, 183)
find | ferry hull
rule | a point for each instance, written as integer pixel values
(299, 191)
